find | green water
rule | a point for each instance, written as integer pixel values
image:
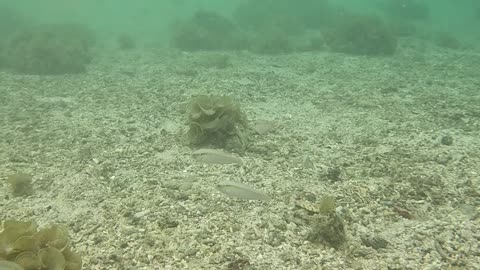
(345, 133)
(150, 22)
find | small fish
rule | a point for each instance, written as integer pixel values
(215, 157)
(241, 191)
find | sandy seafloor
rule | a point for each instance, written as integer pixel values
(108, 156)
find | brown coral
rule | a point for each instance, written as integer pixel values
(32, 249)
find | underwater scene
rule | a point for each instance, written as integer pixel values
(239, 135)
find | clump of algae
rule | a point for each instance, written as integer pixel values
(20, 184)
(215, 120)
(22, 244)
(326, 205)
(327, 226)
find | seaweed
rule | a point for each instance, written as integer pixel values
(272, 42)
(277, 27)
(326, 206)
(409, 10)
(20, 184)
(293, 19)
(126, 42)
(447, 40)
(48, 248)
(6, 265)
(327, 226)
(206, 30)
(49, 49)
(361, 35)
(214, 120)
(214, 60)
(446, 140)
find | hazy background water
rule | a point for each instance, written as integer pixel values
(111, 130)
(150, 19)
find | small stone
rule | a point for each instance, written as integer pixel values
(447, 140)
(98, 239)
(374, 241)
(275, 238)
(334, 173)
(310, 197)
(141, 214)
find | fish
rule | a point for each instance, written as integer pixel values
(241, 191)
(216, 157)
